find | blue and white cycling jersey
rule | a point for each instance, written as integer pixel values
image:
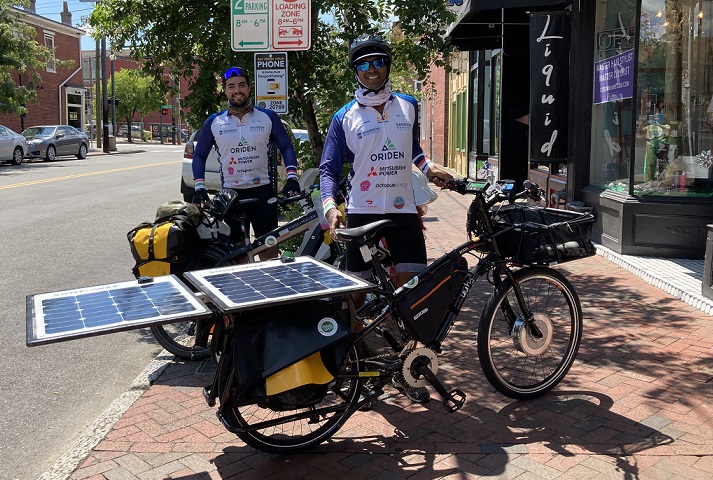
(241, 145)
(381, 148)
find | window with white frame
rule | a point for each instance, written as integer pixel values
(49, 43)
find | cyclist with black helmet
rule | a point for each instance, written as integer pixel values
(378, 133)
(241, 135)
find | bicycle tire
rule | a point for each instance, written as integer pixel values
(180, 338)
(515, 362)
(302, 434)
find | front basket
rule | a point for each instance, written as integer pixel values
(545, 235)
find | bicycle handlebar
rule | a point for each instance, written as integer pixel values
(497, 192)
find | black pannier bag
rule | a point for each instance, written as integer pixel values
(545, 235)
(167, 246)
(423, 307)
(285, 357)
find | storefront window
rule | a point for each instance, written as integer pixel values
(654, 137)
(614, 89)
(675, 84)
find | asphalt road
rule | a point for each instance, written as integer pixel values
(64, 226)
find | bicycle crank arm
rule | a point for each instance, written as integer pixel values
(453, 400)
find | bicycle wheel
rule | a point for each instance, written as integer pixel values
(524, 358)
(288, 435)
(191, 340)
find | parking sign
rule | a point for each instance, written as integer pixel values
(271, 81)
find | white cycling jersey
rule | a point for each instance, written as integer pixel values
(381, 148)
(242, 147)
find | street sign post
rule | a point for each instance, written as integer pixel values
(270, 25)
(271, 81)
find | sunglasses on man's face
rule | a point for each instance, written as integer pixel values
(376, 63)
(235, 72)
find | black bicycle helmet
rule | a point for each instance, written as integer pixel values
(370, 45)
(221, 202)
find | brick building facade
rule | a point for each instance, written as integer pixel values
(60, 97)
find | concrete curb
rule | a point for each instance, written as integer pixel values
(100, 428)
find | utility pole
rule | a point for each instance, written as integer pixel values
(97, 97)
(105, 100)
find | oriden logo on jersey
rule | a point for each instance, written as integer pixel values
(388, 152)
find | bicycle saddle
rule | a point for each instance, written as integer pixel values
(364, 233)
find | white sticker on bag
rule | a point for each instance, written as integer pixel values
(327, 327)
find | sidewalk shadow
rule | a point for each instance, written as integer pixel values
(580, 414)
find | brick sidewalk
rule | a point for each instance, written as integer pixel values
(638, 403)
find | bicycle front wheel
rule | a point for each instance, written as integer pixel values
(191, 340)
(296, 430)
(526, 354)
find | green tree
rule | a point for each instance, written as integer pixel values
(194, 39)
(19, 52)
(136, 93)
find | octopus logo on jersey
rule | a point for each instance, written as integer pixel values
(231, 171)
(365, 185)
(372, 173)
(399, 203)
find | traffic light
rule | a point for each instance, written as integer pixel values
(164, 111)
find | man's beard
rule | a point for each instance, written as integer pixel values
(239, 103)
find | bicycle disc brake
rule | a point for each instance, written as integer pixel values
(419, 356)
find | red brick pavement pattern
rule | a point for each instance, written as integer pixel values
(638, 403)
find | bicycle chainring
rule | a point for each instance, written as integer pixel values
(413, 360)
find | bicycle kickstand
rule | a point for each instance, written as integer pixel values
(453, 400)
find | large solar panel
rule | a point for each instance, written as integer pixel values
(243, 287)
(83, 312)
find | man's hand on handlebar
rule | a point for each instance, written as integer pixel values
(439, 177)
(200, 198)
(335, 220)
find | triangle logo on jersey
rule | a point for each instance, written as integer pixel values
(388, 145)
(243, 142)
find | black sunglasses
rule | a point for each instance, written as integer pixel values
(377, 63)
(235, 72)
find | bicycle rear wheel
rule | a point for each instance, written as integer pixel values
(523, 357)
(191, 340)
(285, 435)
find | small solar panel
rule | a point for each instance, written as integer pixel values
(243, 287)
(83, 312)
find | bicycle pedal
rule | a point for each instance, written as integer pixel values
(454, 401)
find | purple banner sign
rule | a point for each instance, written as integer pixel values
(614, 78)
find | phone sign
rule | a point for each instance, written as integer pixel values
(271, 81)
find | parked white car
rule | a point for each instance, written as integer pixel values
(13, 146)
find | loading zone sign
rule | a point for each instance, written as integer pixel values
(271, 81)
(269, 25)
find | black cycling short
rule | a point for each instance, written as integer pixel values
(405, 242)
(261, 216)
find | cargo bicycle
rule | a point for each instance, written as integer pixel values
(528, 334)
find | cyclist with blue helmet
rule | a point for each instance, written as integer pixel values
(241, 135)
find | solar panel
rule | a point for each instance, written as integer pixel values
(83, 312)
(243, 287)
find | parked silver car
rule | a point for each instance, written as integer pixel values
(52, 141)
(13, 146)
